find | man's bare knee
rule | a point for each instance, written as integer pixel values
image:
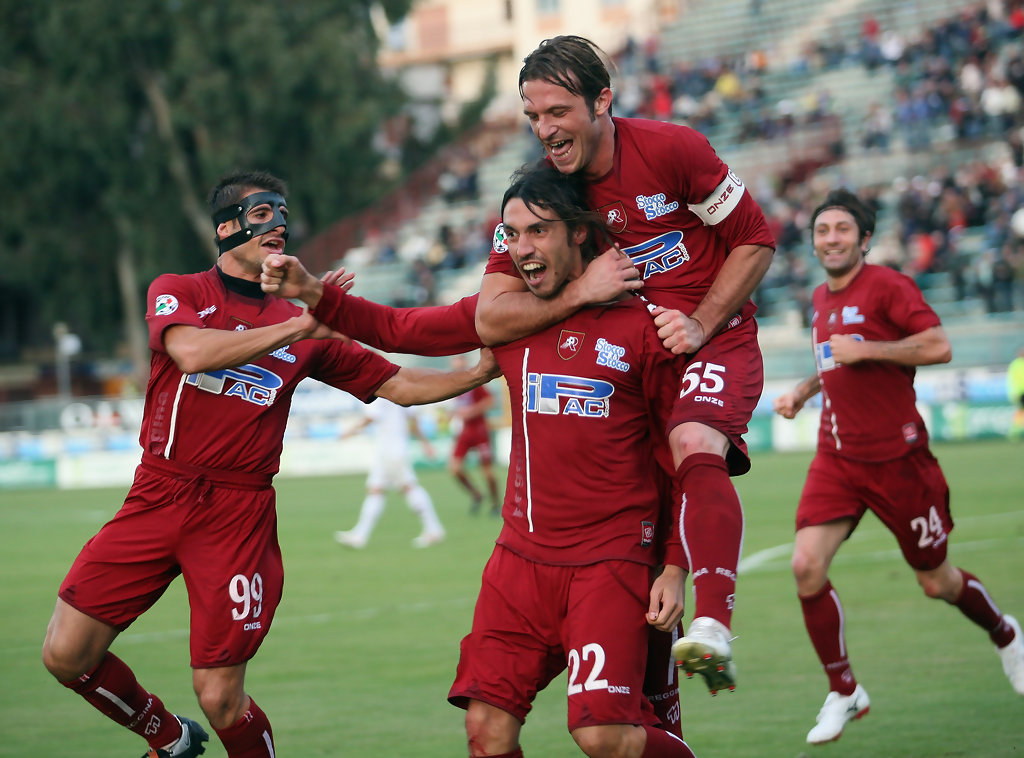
(221, 694)
(490, 730)
(610, 741)
(75, 643)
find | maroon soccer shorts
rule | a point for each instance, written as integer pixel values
(532, 621)
(473, 440)
(220, 536)
(720, 388)
(909, 495)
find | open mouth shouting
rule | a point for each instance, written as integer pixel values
(533, 272)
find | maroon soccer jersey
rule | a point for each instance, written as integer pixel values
(234, 419)
(869, 409)
(674, 207)
(589, 400)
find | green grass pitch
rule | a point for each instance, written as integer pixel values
(365, 644)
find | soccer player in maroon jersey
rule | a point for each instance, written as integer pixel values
(582, 503)
(871, 327)
(471, 411)
(567, 585)
(701, 245)
(226, 359)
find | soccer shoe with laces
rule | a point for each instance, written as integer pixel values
(706, 649)
(1012, 656)
(189, 745)
(837, 711)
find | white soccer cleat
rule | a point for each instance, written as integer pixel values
(706, 649)
(427, 539)
(836, 712)
(1012, 656)
(350, 539)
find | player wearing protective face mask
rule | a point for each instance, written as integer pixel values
(226, 359)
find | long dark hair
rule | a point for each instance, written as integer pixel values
(545, 190)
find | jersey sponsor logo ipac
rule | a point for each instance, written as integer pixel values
(165, 305)
(560, 394)
(569, 343)
(251, 383)
(660, 254)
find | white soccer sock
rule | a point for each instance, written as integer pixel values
(369, 514)
(420, 503)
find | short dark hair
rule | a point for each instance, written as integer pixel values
(232, 187)
(568, 61)
(862, 213)
(544, 188)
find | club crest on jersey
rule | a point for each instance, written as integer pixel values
(569, 343)
(646, 533)
(165, 305)
(610, 355)
(240, 325)
(655, 205)
(614, 216)
(500, 241)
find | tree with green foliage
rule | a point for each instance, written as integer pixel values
(117, 117)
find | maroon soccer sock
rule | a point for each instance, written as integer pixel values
(662, 744)
(112, 689)
(250, 736)
(712, 533)
(974, 602)
(661, 680)
(823, 617)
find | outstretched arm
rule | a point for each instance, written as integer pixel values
(432, 330)
(419, 386)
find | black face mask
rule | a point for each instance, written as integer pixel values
(241, 210)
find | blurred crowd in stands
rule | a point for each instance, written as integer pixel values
(959, 81)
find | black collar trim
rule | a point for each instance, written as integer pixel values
(243, 287)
